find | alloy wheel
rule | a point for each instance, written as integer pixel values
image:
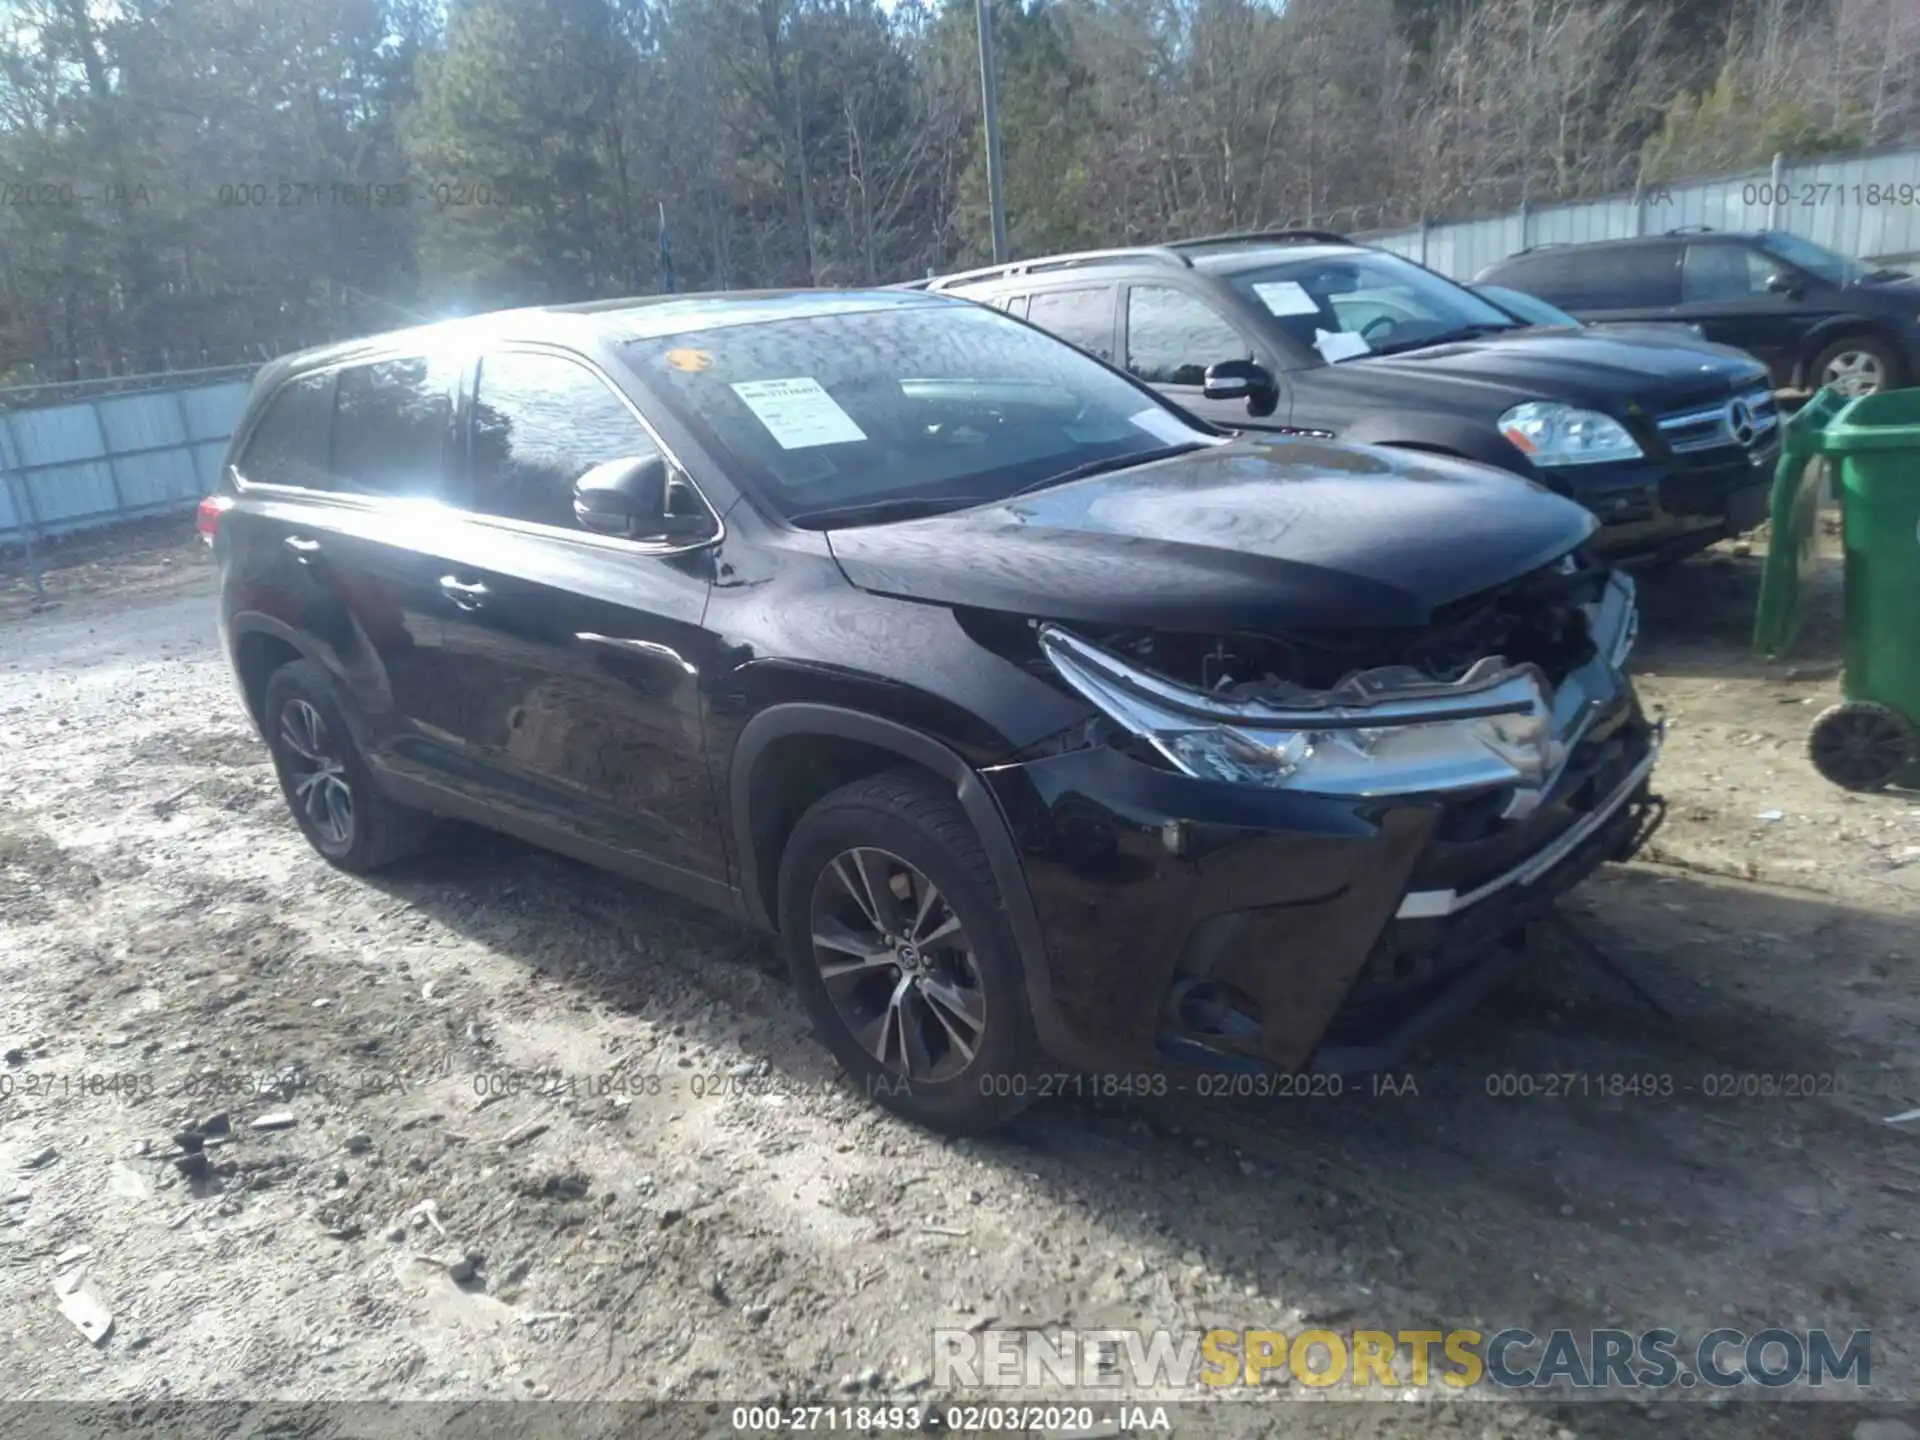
(1854, 373)
(897, 965)
(316, 775)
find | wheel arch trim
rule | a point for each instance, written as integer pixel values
(800, 718)
(246, 623)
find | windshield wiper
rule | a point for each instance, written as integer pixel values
(1103, 467)
(898, 507)
(908, 507)
(1448, 337)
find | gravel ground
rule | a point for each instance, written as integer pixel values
(532, 1131)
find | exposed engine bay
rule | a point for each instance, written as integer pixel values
(1495, 693)
(1541, 620)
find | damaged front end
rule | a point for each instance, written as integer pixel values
(1380, 815)
(1435, 720)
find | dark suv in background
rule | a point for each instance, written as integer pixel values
(1045, 724)
(1816, 317)
(1669, 440)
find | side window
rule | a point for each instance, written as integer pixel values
(1622, 277)
(289, 445)
(1015, 305)
(1080, 317)
(1723, 272)
(1172, 337)
(1543, 275)
(540, 422)
(390, 425)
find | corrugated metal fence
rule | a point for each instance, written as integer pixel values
(1865, 205)
(94, 460)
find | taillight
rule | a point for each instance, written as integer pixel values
(207, 519)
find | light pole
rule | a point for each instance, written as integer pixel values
(990, 111)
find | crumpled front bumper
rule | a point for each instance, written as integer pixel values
(1198, 922)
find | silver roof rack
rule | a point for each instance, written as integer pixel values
(1159, 254)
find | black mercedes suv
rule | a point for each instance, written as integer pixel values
(1045, 725)
(1816, 317)
(1669, 440)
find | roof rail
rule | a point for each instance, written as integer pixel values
(1157, 253)
(1285, 236)
(1691, 230)
(1543, 245)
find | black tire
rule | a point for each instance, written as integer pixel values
(907, 817)
(1892, 369)
(1861, 746)
(378, 830)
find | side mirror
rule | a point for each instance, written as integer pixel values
(1779, 283)
(1242, 380)
(629, 498)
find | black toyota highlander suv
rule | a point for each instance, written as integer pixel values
(1669, 440)
(1045, 725)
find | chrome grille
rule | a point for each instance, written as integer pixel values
(1748, 420)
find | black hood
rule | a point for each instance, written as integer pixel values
(1896, 288)
(1599, 369)
(1258, 535)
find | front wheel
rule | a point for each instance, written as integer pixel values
(902, 954)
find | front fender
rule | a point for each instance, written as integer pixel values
(982, 810)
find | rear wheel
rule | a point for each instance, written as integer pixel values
(902, 954)
(1860, 745)
(326, 782)
(1856, 365)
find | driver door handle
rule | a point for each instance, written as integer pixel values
(467, 595)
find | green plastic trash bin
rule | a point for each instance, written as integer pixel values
(1871, 447)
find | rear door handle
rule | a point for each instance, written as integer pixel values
(468, 596)
(304, 550)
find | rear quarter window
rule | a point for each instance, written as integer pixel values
(1081, 316)
(1622, 277)
(392, 424)
(1541, 275)
(288, 446)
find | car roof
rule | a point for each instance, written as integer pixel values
(1696, 234)
(609, 321)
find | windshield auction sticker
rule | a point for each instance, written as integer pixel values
(798, 413)
(1338, 345)
(1284, 297)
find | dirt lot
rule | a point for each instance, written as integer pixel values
(552, 1135)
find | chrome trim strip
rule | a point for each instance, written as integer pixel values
(1434, 904)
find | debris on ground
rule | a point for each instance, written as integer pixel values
(597, 1246)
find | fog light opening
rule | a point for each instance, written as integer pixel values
(1213, 1008)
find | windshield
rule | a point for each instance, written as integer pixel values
(1349, 306)
(1829, 265)
(1530, 308)
(934, 406)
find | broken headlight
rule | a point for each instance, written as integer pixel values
(1392, 730)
